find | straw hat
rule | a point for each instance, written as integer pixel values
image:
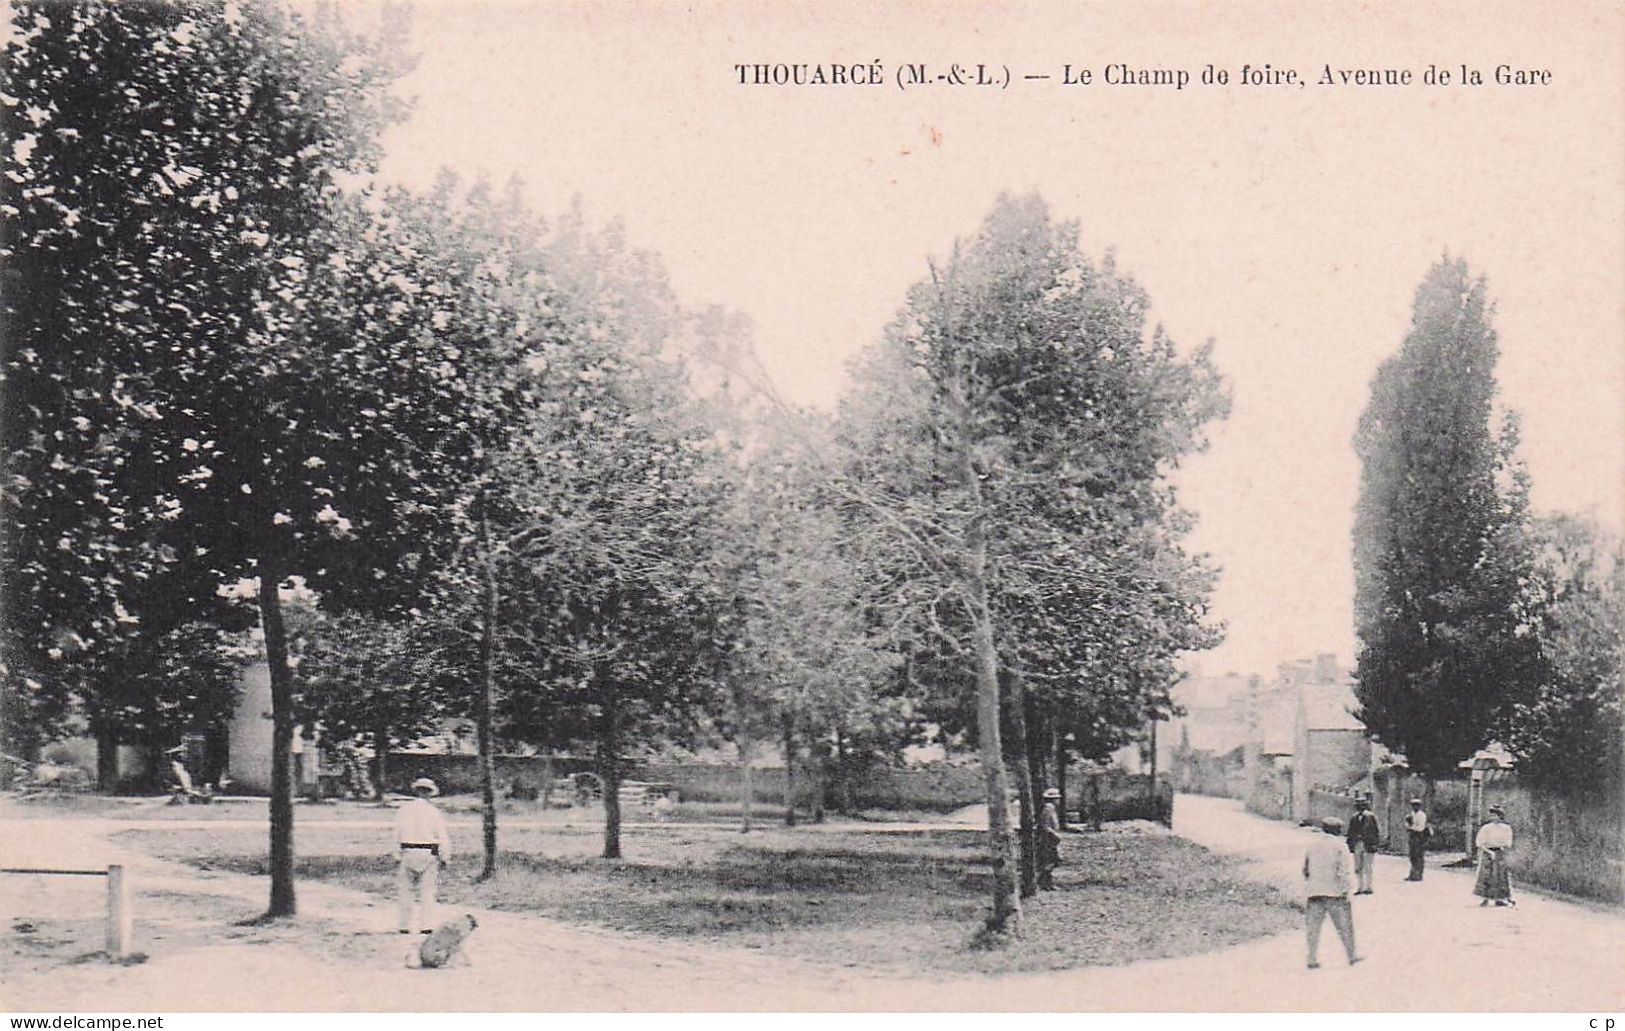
(425, 786)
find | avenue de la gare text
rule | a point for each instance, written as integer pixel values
(1121, 73)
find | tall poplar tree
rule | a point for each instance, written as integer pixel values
(1441, 549)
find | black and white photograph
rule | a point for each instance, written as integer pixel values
(734, 507)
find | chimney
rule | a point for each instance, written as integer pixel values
(1326, 668)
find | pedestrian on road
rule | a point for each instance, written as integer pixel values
(1363, 838)
(1049, 841)
(1494, 840)
(1418, 832)
(1326, 891)
(420, 831)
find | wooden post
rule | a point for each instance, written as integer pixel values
(120, 920)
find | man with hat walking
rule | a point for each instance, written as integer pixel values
(1417, 832)
(424, 846)
(1363, 838)
(1326, 891)
(1049, 841)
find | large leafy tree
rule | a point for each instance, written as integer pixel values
(75, 397)
(810, 664)
(572, 609)
(202, 151)
(617, 617)
(1019, 410)
(481, 305)
(365, 678)
(1565, 726)
(1441, 552)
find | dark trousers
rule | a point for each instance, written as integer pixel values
(1419, 847)
(1049, 857)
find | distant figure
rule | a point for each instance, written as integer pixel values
(1326, 891)
(1493, 841)
(420, 828)
(664, 806)
(1363, 838)
(356, 782)
(1417, 832)
(1049, 840)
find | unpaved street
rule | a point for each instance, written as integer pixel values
(1429, 945)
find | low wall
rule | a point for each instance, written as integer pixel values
(708, 782)
(932, 788)
(936, 787)
(1115, 795)
(460, 774)
(1571, 844)
(1204, 773)
(1270, 795)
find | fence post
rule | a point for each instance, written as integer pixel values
(120, 921)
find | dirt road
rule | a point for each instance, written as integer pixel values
(1430, 948)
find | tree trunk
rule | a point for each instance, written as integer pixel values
(747, 746)
(1027, 852)
(380, 749)
(1005, 918)
(488, 793)
(276, 659)
(1153, 780)
(1058, 742)
(106, 756)
(1040, 746)
(1006, 915)
(1094, 800)
(747, 752)
(843, 774)
(609, 771)
(789, 772)
(819, 780)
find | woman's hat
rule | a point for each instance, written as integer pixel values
(1052, 792)
(1416, 801)
(426, 785)
(1497, 810)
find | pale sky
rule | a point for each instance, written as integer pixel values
(1290, 224)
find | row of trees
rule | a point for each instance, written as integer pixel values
(1478, 621)
(512, 479)
(233, 358)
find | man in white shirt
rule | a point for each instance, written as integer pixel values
(1326, 890)
(424, 845)
(1416, 830)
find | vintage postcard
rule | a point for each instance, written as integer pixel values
(517, 506)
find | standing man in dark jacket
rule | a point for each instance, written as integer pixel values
(1363, 838)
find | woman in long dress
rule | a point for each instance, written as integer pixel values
(1493, 841)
